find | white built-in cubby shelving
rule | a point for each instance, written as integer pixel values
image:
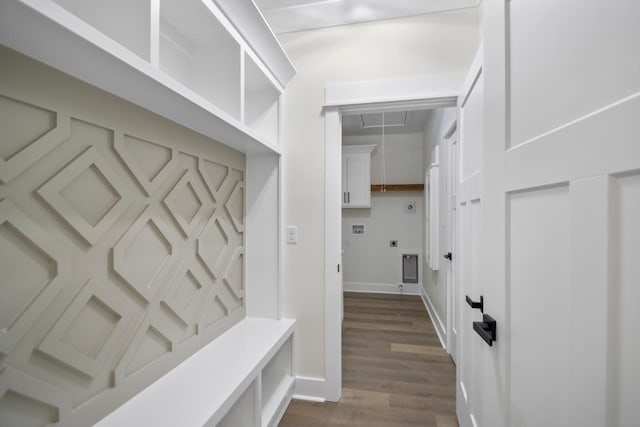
(126, 22)
(197, 51)
(277, 383)
(215, 67)
(261, 101)
(243, 378)
(183, 59)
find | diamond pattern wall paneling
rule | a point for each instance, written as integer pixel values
(88, 194)
(27, 146)
(121, 246)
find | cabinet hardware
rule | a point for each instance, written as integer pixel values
(448, 256)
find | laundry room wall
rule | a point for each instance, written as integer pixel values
(370, 263)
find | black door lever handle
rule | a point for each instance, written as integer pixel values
(448, 256)
(486, 329)
(476, 304)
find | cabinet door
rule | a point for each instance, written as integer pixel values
(358, 180)
(345, 174)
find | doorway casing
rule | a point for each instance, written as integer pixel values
(401, 94)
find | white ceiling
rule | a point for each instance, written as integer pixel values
(395, 122)
(286, 16)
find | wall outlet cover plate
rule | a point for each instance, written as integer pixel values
(410, 207)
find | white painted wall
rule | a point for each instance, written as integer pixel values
(429, 44)
(403, 156)
(369, 259)
(435, 282)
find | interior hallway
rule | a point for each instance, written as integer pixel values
(395, 372)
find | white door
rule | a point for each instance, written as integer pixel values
(469, 215)
(451, 264)
(560, 226)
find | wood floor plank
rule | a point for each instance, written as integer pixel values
(394, 372)
(418, 349)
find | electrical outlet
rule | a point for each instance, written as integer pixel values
(393, 243)
(410, 207)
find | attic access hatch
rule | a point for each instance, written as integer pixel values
(391, 119)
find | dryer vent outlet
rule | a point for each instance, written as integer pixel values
(409, 268)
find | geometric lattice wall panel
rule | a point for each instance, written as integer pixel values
(121, 242)
(234, 275)
(26, 401)
(152, 345)
(186, 202)
(28, 133)
(220, 179)
(142, 256)
(214, 175)
(88, 330)
(214, 246)
(34, 270)
(214, 311)
(88, 194)
(235, 206)
(186, 294)
(19, 410)
(150, 163)
(149, 344)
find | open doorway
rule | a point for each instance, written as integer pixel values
(383, 200)
(402, 144)
(399, 237)
(342, 100)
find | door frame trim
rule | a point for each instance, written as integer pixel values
(428, 92)
(451, 284)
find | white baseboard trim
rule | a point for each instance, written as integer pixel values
(383, 288)
(435, 319)
(311, 389)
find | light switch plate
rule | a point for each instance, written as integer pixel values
(292, 234)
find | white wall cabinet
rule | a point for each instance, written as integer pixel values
(356, 176)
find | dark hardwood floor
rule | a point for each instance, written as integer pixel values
(394, 371)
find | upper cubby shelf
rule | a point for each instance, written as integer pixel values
(261, 100)
(182, 59)
(197, 51)
(126, 22)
